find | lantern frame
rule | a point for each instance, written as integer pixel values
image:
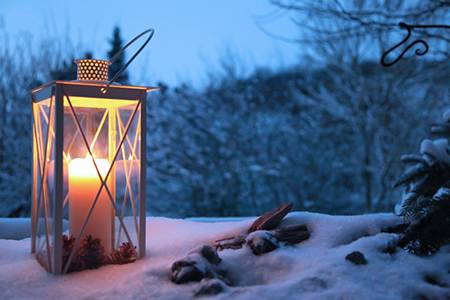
(59, 93)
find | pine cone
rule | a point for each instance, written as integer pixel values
(124, 255)
(91, 253)
(68, 244)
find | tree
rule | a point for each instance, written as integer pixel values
(26, 65)
(116, 44)
(362, 100)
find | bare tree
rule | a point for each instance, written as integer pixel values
(23, 67)
(348, 37)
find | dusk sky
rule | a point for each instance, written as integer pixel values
(190, 38)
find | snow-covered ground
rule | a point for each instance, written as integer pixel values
(313, 269)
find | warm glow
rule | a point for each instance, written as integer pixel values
(84, 184)
(90, 102)
(98, 102)
(85, 168)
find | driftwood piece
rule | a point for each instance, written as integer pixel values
(210, 255)
(292, 234)
(271, 219)
(210, 287)
(198, 264)
(235, 242)
(263, 241)
(184, 271)
(203, 264)
(357, 258)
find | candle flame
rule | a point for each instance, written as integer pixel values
(85, 168)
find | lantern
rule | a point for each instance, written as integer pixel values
(89, 171)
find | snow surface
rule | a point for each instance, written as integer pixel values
(313, 269)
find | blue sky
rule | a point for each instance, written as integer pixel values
(191, 35)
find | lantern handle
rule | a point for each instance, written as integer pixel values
(150, 32)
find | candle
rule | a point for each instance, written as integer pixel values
(84, 184)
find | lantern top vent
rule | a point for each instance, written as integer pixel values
(92, 69)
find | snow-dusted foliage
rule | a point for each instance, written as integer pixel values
(425, 205)
(427, 174)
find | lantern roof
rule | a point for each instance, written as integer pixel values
(99, 84)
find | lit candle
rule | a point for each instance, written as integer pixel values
(84, 184)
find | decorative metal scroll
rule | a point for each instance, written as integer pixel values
(418, 42)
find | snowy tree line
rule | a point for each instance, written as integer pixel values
(325, 134)
(325, 142)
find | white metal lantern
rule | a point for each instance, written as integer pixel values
(89, 171)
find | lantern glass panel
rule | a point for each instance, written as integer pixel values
(43, 175)
(109, 131)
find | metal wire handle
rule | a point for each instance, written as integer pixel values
(150, 32)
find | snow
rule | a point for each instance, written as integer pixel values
(447, 115)
(15, 228)
(313, 269)
(438, 149)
